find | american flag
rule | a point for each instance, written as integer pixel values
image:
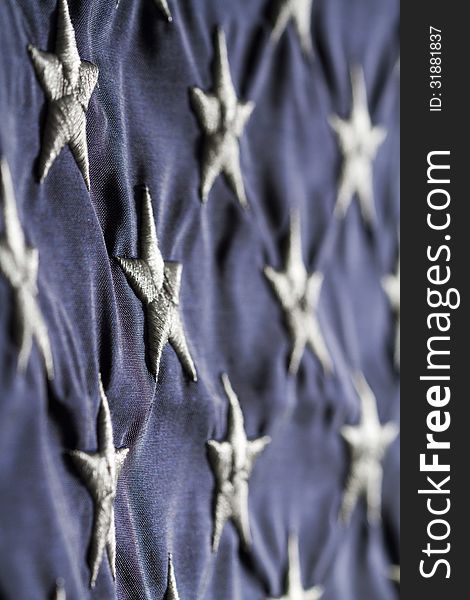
(199, 299)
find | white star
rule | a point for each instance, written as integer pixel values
(232, 462)
(162, 5)
(368, 442)
(300, 11)
(299, 294)
(359, 142)
(157, 283)
(100, 472)
(171, 588)
(222, 118)
(68, 83)
(391, 286)
(19, 264)
(294, 587)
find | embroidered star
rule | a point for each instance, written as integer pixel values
(222, 117)
(299, 294)
(100, 472)
(232, 462)
(300, 11)
(391, 286)
(162, 5)
(294, 587)
(368, 442)
(359, 142)
(68, 84)
(19, 264)
(171, 589)
(157, 283)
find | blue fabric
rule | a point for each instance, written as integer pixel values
(141, 130)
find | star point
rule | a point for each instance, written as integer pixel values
(300, 11)
(359, 142)
(299, 293)
(157, 283)
(68, 83)
(222, 117)
(294, 587)
(232, 462)
(162, 5)
(100, 472)
(368, 442)
(19, 264)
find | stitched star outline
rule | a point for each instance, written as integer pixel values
(100, 472)
(222, 118)
(157, 283)
(68, 83)
(232, 462)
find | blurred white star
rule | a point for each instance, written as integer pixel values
(299, 294)
(359, 142)
(368, 442)
(19, 263)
